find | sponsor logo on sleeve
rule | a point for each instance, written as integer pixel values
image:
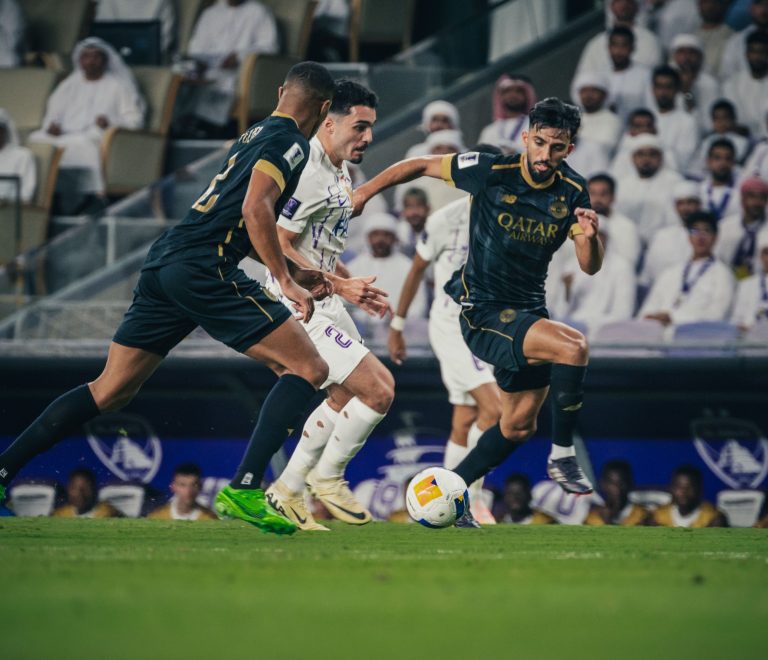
(468, 160)
(290, 208)
(294, 155)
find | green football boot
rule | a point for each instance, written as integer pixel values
(2, 493)
(252, 507)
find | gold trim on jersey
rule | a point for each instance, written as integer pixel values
(251, 298)
(578, 186)
(507, 166)
(271, 171)
(445, 170)
(286, 116)
(527, 175)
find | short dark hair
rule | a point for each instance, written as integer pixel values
(622, 31)
(485, 148)
(348, 93)
(757, 37)
(666, 71)
(697, 217)
(607, 179)
(622, 467)
(312, 76)
(551, 112)
(723, 104)
(693, 473)
(721, 142)
(85, 473)
(419, 193)
(188, 469)
(641, 112)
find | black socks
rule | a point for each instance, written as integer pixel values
(491, 450)
(567, 394)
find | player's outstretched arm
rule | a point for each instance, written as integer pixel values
(259, 215)
(396, 341)
(400, 172)
(589, 248)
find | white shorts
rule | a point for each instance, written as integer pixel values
(461, 371)
(336, 338)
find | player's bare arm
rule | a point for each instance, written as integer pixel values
(589, 247)
(401, 172)
(395, 340)
(259, 215)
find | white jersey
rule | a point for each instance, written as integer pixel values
(445, 243)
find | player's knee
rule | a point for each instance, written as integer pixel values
(113, 400)
(518, 431)
(380, 395)
(488, 415)
(315, 371)
(575, 350)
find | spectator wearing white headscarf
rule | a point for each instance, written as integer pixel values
(11, 33)
(598, 123)
(224, 35)
(513, 99)
(751, 304)
(699, 89)
(436, 116)
(15, 160)
(98, 94)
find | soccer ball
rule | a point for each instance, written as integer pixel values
(436, 497)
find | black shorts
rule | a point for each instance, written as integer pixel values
(171, 301)
(495, 335)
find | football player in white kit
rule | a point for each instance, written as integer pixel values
(312, 230)
(472, 389)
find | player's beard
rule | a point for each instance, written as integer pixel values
(537, 176)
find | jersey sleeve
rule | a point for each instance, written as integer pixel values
(467, 171)
(581, 200)
(282, 159)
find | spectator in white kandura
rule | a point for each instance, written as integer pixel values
(673, 17)
(678, 131)
(11, 33)
(698, 89)
(438, 143)
(436, 116)
(671, 245)
(513, 98)
(100, 93)
(701, 289)
(595, 301)
(598, 123)
(629, 82)
(751, 305)
(640, 121)
(625, 241)
(224, 35)
(646, 195)
(714, 32)
(388, 265)
(737, 233)
(719, 190)
(142, 10)
(734, 55)
(413, 217)
(588, 157)
(723, 120)
(748, 90)
(647, 51)
(15, 160)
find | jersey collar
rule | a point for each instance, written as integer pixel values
(285, 116)
(529, 180)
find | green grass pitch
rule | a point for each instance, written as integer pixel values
(109, 589)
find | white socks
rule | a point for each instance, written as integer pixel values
(454, 454)
(473, 436)
(561, 452)
(476, 488)
(314, 437)
(353, 426)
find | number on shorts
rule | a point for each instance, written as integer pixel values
(330, 331)
(206, 201)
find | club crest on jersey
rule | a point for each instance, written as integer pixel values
(290, 208)
(734, 449)
(509, 199)
(507, 315)
(558, 209)
(294, 155)
(127, 445)
(468, 160)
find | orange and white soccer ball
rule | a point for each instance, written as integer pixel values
(436, 497)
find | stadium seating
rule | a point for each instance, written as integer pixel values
(294, 23)
(639, 336)
(758, 333)
(565, 508)
(133, 159)
(126, 498)
(703, 338)
(53, 29)
(379, 22)
(32, 499)
(650, 499)
(24, 93)
(741, 507)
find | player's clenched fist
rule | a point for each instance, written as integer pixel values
(587, 221)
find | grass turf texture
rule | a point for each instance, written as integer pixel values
(146, 589)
